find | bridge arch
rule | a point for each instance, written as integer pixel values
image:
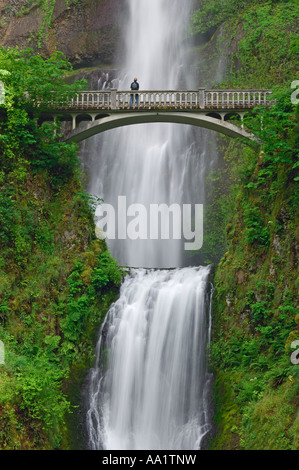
(214, 115)
(101, 116)
(232, 114)
(84, 117)
(103, 122)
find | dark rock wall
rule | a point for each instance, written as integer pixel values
(87, 31)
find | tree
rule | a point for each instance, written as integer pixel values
(31, 83)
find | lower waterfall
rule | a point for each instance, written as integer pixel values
(149, 389)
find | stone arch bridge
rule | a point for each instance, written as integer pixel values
(92, 112)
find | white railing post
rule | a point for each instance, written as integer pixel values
(242, 120)
(201, 98)
(113, 98)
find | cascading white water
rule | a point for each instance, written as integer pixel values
(148, 388)
(149, 385)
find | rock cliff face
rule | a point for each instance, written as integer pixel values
(87, 31)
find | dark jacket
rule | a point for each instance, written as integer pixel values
(134, 86)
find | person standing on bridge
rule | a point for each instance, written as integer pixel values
(134, 87)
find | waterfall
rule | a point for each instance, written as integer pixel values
(152, 163)
(149, 386)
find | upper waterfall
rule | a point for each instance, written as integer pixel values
(151, 164)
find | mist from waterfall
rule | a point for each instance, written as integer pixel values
(152, 163)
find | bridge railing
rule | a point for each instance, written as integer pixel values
(236, 98)
(169, 99)
(91, 99)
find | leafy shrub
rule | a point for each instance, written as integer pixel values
(256, 231)
(213, 12)
(26, 98)
(106, 273)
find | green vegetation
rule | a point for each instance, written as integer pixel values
(212, 13)
(255, 301)
(268, 50)
(262, 45)
(56, 279)
(255, 306)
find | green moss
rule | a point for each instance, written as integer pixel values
(227, 418)
(272, 423)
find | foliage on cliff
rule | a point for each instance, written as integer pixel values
(255, 302)
(256, 282)
(251, 42)
(56, 279)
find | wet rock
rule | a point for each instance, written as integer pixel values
(277, 245)
(240, 276)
